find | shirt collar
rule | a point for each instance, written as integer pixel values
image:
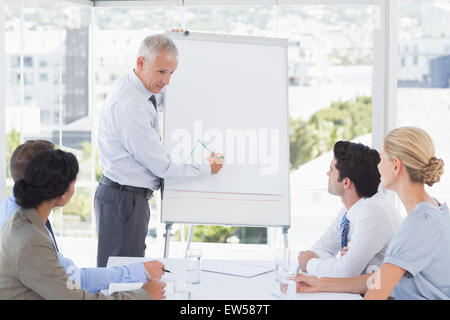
(354, 208)
(147, 93)
(140, 86)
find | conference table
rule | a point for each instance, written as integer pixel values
(225, 284)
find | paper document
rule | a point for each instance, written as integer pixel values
(236, 268)
(117, 287)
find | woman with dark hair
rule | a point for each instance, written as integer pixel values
(29, 266)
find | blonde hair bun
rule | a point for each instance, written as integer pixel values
(414, 147)
(432, 172)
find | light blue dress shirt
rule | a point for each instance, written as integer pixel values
(89, 279)
(7, 209)
(422, 248)
(130, 148)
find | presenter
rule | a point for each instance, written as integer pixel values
(132, 156)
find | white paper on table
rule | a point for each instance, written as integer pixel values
(235, 268)
(118, 287)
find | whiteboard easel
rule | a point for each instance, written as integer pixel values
(244, 79)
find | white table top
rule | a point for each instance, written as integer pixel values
(216, 286)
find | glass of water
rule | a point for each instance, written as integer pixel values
(287, 284)
(181, 290)
(193, 265)
(281, 257)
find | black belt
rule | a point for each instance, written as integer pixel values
(147, 193)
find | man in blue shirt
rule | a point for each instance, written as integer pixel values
(89, 279)
(132, 156)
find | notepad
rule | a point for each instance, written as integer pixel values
(236, 268)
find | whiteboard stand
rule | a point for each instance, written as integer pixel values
(285, 236)
(191, 230)
(189, 240)
(167, 240)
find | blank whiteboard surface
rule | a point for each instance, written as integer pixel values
(229, 92)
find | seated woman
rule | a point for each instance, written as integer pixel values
(29, 265)
(418, 257)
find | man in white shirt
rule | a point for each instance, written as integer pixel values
(132, 157)
(357, 239)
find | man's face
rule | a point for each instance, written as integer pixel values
(155, 75)
(334, 186)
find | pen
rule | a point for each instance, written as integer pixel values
(205, 146)
(220, 157)
(168, 271)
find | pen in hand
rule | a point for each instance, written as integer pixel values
(168, 271)
(150, 278)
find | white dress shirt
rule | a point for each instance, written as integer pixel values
(130, 148)
(373, 222)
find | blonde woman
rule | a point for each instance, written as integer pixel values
(418, 257)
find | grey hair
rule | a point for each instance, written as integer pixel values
(151, 46)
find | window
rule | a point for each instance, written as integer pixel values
(15, 61)
(423, 95)
(43, 77)
(28, 61)
(28, 79)
(330, 58)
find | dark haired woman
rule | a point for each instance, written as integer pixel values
(29, 266)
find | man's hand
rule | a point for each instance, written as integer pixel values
(155, 269)
(304, 257)
(155, 289)
(306, 283)
(216, 162)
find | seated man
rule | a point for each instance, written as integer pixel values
(366, 224)
(89, 279)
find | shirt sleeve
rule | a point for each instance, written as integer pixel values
(328, 244)
(416, 244)
(372, 231)
(94, 280)
(139, 136)
(40, 271)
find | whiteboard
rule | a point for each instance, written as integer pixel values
(229, 95)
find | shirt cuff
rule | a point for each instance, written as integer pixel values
(136, 272)
(311, 266)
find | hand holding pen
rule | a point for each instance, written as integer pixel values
(154, 269)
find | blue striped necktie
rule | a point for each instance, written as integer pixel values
(344, 226)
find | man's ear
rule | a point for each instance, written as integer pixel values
(347, 183)
(140, 63)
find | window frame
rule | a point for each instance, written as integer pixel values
(384, 66)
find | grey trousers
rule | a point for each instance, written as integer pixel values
(122, 223)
